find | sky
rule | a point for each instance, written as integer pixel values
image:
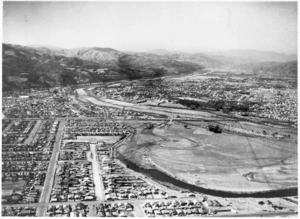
(142, 26)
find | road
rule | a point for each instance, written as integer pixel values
(99, 188)
(88, 117)
(45, 195)
(8, 127)
(138, 210)
(33, 132)
(260, 214)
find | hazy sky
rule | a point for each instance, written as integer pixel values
(141, 26)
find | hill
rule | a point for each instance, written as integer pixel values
(231, 58)
(278, 69)
(39, 66)
(196, 58)
(33, 67)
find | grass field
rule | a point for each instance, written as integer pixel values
(219, 161)
(8, 185)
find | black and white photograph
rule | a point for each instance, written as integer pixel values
(149, 109)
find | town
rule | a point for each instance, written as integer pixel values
(149, 109)
(60, 151)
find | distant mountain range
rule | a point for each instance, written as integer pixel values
(247, 56)
(38, 66)
(277, 69)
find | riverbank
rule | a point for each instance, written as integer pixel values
(160, 176)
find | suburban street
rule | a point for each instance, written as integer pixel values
(45, 195)
(33, 132)
(44, 203)
(99, 189)
(8, 127)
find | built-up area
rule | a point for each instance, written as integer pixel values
(59, 153)
(58, 158)
(255, 97)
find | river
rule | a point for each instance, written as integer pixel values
(160, 176)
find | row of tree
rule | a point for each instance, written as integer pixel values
(216, 105)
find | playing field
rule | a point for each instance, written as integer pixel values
(225, 161)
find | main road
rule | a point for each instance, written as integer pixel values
(99, 188)
(33, 132)
(45, 195)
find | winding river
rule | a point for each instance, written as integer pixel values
(160, 176)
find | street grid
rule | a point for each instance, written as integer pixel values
(44, 200)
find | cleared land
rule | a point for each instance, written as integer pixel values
(106, 139)
(225, 161)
